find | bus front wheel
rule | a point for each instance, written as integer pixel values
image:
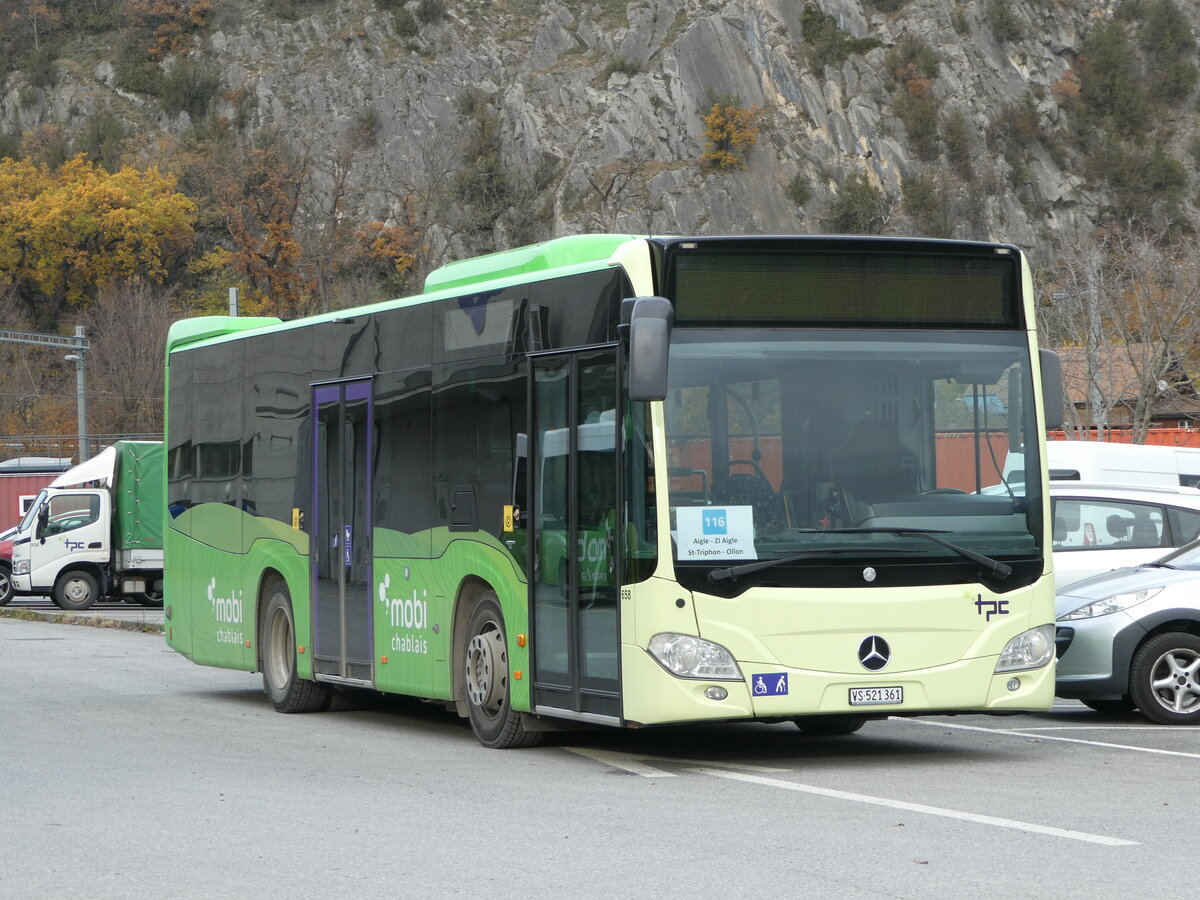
(485, 668)
(288, 692)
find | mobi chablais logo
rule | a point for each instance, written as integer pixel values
(410, 613)
(227, 611)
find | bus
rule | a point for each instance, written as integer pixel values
(611, 480)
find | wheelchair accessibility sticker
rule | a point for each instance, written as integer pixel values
(772, 685)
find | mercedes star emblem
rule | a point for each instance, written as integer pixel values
(874, 653)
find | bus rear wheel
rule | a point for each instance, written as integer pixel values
(76, 590)
(288, 692)
(485, 668)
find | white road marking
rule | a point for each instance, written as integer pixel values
(1097, 728)
(921, 808)
(634, 762)
(1039, 736)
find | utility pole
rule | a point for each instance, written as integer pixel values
(78, 345)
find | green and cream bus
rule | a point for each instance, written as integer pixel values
(628, 481)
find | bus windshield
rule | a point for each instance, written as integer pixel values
(838, 442)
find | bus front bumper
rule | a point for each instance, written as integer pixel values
(653, 696)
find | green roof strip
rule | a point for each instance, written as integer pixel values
(191, 331)
(559, 253)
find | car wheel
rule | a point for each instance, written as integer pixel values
(1165, 679)
(77, 590)
(289, 693)
(486, 677)
(1124, 705)
(6, 586)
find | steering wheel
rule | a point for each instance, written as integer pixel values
(748, 462)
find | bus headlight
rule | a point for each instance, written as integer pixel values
(21, 567)
(1029, 650)
(692, 657)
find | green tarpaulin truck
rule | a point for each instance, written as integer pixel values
(96, 531)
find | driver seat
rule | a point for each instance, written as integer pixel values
(874, 465)
(752, 489)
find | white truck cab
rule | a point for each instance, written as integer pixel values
(96, 531)
(62, 529)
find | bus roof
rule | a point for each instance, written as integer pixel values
(536, 262)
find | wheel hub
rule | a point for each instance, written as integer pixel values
(1177, 689)
(487, 671)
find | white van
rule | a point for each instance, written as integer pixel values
(1101, 462)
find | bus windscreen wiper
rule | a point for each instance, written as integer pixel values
(997, 568)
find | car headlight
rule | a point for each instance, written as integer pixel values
(1031, 649)
(21, 567)
(692, 657)
(1108, 605)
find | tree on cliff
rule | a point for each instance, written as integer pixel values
(65, 233)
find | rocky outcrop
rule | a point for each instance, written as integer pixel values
(576, 90)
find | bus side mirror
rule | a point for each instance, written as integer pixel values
(1052, 389)
(649, 342)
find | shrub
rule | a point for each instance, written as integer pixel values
(919, 113)
(1166, 36)
(1110, 86)
(1148, 184)
(926, 202)
(912, 57)
(956, 137)
(405, 23)
(40, 67)
(9, 144)
(958, 19)
(430, 11)
(189, 87)
(798, 190)
(858, 208)
(101, 140)
(1005, 24)
(828, 44)
(619, 65)
(134, 71)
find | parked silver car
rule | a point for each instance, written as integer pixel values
(1131, 639)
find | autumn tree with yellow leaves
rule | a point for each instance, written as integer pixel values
(67, 233)
(730, 130)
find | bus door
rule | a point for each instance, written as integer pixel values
(341, 531)
(574, 496)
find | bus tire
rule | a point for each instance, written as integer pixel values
(486, 679)
(287, 691)
(827, 726)
(76, 590)
(6, 585)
